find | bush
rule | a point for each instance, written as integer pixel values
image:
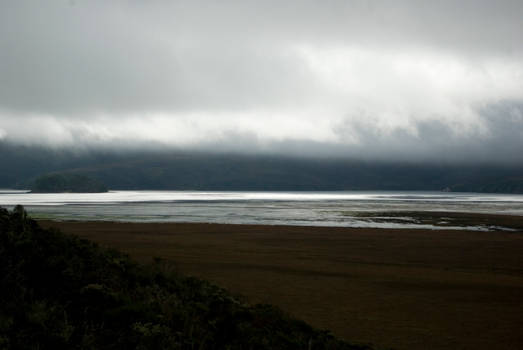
(60, 291)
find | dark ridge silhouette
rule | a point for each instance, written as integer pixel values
(157, 170)
(57, 183)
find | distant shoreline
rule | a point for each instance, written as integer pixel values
(466, 220)
(421, 210)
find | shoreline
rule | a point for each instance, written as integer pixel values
(401, 288)
(413, 220)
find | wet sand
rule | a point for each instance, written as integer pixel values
(407, 289)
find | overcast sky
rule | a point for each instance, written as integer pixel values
(371, 79)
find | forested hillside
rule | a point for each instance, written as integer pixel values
(156, 170)
(57, 183)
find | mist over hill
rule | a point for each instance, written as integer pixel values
(305, 95)
(157, 170)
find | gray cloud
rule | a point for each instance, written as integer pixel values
(404, 79)
(499, 139)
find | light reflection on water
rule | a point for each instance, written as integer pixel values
(281, 208)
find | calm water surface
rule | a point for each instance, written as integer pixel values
(283, 208)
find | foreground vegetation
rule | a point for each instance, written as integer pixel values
(60, 291)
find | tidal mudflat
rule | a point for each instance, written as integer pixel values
(401, 288)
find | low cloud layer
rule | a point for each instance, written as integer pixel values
(368, 79)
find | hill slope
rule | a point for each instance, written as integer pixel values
(56, 183)
(162, 170)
